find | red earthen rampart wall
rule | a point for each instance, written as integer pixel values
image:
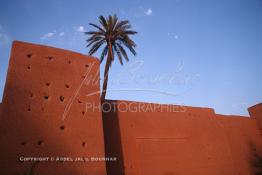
(188, 140)
(42, 83)
(44, 113)
(256, 113)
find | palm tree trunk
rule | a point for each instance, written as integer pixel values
(105, 79)
(106, 71)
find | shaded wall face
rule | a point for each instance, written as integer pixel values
(183, 140)
(0, 110)
(44, 112)
(256, 113)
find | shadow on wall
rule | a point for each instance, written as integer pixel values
(256, 159)
(112, 138)
(30, 170)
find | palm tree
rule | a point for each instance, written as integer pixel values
(113, 35)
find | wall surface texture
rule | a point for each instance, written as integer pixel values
(256, 113)
(178, 140)
(47, 111)
(44, 113)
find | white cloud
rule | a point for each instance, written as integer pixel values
(171, 35)
(80, 29)
(48, 36)
(61, 33)
(148, 12)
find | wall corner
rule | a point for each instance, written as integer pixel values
(255, 112)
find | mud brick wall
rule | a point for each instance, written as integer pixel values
(44, 111)
(256, 113)
(187, 140)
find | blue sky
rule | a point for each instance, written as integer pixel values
(205, 53)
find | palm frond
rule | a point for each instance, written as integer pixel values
(96, 26)
(127, 41)
(103, 22)
(94, 41)
(130, 32)
(125, 27)
(94, 37)
(121, 23)
(95, 47)
(110, 23)
(93, 33)
(132, 50)
(118, 54)
(104, 53)
(130, 47)
(122, 50)
(115, 19)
